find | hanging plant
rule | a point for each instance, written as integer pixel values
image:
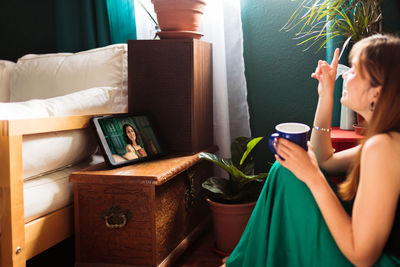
(322, 20)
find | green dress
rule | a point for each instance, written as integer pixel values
(286, 228)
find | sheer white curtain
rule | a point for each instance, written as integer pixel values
(221, 26)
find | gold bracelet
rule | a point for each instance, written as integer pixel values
(322, 129)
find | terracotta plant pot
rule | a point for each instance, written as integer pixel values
(179, 16)
(229, 221)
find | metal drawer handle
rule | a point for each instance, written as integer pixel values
(110, 224)
(115, 217)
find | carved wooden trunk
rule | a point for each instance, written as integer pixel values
(137, 215)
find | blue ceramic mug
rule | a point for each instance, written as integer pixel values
(292, 131)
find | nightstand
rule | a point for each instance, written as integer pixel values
(343, 139)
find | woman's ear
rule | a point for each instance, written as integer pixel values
(375, 93)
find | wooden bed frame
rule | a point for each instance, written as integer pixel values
(20, 241)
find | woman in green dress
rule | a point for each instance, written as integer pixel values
(300, 219)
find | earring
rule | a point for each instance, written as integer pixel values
(372, 106)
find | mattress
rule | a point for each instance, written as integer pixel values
(52, 191)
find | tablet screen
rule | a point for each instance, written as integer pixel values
(126, 139)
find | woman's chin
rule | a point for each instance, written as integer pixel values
(343, 101)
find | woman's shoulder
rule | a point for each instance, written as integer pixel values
(385, 146)
(383, 141)
(381, 155)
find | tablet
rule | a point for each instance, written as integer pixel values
(126, 139)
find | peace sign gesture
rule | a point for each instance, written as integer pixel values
(326, 75)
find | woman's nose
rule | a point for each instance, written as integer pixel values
(346, 74)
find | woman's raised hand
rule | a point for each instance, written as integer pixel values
(326, 75)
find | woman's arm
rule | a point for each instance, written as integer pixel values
(130, 152)
(339, 162)
(320, 139)
(362, 237)
(129, 148)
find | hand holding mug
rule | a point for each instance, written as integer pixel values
(294, 151)
(292, 131)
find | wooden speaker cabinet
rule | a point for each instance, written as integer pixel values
(144, 214)
(172, 81)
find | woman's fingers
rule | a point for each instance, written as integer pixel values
(286, 149)
(310, 149)
(280, 161)
(310, 146)
(282, 143)
(323, 66)
(281, 149)
(335, 60)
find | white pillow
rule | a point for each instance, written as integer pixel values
(50, 75)
(86, 102)
(6, 68)
(47, 152)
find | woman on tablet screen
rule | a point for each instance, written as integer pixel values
(133, 148)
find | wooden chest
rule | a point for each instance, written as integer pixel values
(139, 215)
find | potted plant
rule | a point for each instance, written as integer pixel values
(179, 18)
(232, 199)
(176, 19)
(323, 21)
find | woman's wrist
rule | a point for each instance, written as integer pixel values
(326, 94)
(316, 182)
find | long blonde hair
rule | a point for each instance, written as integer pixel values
(378, 58)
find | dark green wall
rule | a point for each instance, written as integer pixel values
(277, 71)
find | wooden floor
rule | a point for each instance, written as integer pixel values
(200, 254)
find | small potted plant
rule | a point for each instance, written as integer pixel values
(232, 199)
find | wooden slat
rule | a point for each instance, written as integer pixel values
(43, 125)
(49, 230)
(12, 201)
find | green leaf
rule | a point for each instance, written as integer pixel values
(250, 146)
(223, 163)
(237, 187)
(217, 185)
(238, 147)
(222, 192)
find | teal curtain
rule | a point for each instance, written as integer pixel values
(121, 16)
(86, 24)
